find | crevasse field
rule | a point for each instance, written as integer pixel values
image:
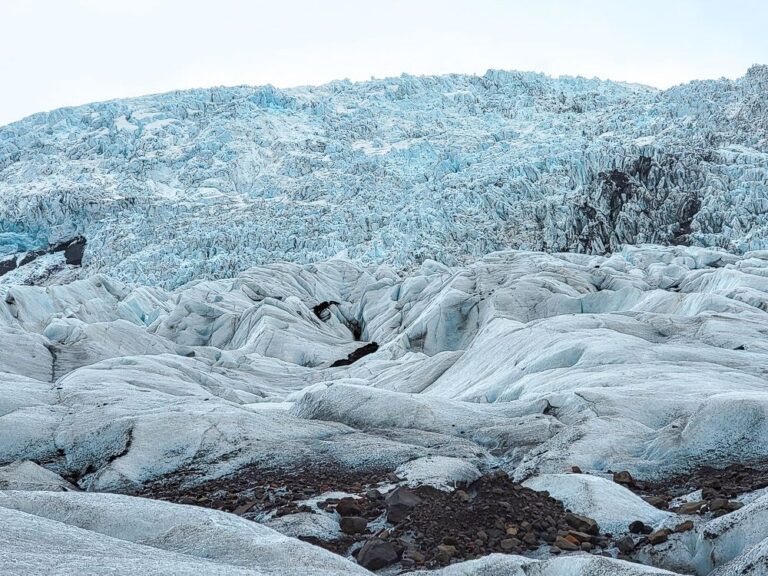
(563, 278)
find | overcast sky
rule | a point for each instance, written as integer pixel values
(64, 52)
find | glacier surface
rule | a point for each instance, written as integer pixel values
(652, 360)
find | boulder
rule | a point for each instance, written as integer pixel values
(582, 524)
(399, 503)
(566, 545)
(624, 478)
(638, 527)
(348, 506)
(625, 544)
(353, 524)
(658, 537)
(376, 554)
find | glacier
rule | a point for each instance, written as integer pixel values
(408, 283)
(205, 183)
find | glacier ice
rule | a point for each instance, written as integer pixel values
(204, 183)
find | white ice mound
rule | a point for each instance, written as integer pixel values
(79, 533)
(610, 504)
(27, 475)
(510, 565)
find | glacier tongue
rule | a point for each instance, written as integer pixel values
(204, 183)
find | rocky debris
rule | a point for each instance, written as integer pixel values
(253, 490)
(322, 310)
(399, 504)
(493, 514)
(432, 528)
(74, 250)
(73, 255)
(355, 355)
(376, 554)
(718, 486)
(353, 524)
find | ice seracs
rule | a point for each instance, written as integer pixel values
(172, 188)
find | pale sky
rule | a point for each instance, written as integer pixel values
(65, 52)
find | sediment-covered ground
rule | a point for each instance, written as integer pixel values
(529, 414)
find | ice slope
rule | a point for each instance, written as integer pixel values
(71, 533)
(651, 360)
(204, 183)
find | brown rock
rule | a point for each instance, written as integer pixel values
(657, 501)
(509, 544)
(576, 470)
(399, 503)
(445, 552)
(243, 508)
(684, 526)
(376, 554)
(373, 494)
(353, 524)
(415, 555)
(582, 523)
(348, 506)
(624, 478)
(461, 495)
(565, 545)
(691, 507)
(718, 504)
(572, 539)
(658, 537)
(394, 478)
(579, 536)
